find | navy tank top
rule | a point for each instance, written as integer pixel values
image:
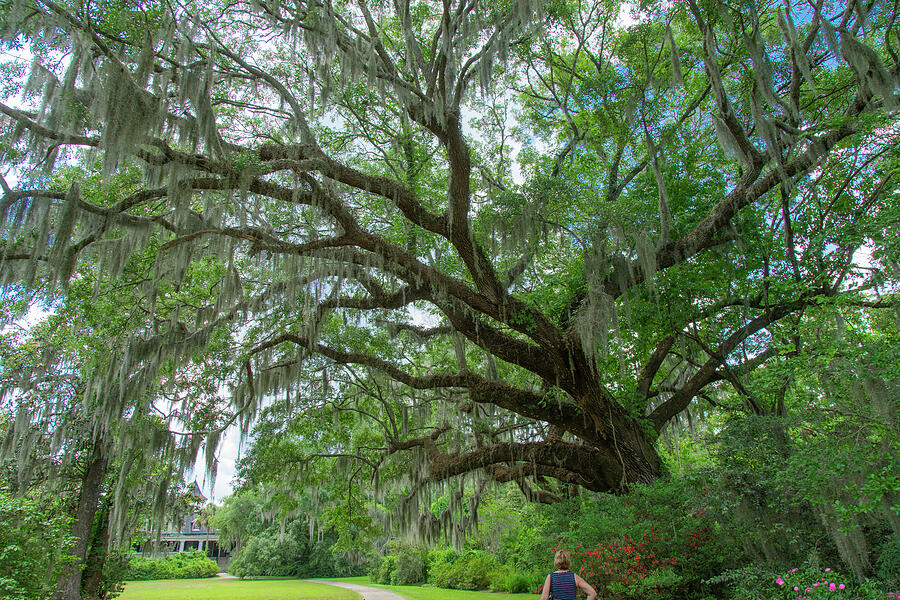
(562, 585)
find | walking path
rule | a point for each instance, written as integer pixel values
(368, 593)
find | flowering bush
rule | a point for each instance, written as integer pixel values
(799, 585)
(626, 568)
(812, 583)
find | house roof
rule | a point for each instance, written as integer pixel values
(194, 490)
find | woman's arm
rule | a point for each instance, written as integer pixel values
(546, 593)
(585, 587)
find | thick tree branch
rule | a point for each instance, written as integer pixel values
(748, 190)
(645, 379)
(46, 132)
(707, 373)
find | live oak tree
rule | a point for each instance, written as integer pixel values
(599, 223)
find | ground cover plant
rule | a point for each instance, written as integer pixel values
(217, 588)
(411, 592)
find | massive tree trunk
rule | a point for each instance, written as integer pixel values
(628, 455)
(69, 586)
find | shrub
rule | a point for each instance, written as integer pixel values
(410, 565)
(816, 583)
(405, 564)
(499, 578)
(678, 507)
(749, 582)
(114, 568)
(183, 565)
(32, 535)
(627, 568)
(440, 556)
(808, 582)
(439, 574)
(506, 579)
(264, 556)
(439, 562)
(273, 553)
(889, 562)
(521, 583)
(382, 571)
(471, 571)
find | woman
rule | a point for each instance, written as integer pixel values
(562, 583)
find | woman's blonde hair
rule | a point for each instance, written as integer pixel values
(562, 560)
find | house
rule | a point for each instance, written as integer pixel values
(191, 534)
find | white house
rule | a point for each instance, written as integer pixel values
(190, 535)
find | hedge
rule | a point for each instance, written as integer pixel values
(183, 565)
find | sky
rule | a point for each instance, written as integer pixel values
(227, 455)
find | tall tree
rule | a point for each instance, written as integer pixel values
(109, 469)
(691, 182)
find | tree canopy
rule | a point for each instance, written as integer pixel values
(513, 239)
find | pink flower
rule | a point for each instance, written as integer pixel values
(816, 584)
(832, 587)
(842, 586)
(827, 570)
(779, 581)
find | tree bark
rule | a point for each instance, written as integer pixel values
(69, 586)
(96, 557)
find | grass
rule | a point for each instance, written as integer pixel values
(414, 592)
(216, 588)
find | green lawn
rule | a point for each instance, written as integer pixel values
(412, 592)
(216, 588)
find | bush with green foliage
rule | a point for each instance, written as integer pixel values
(404, 564)
(381, 570)
(411, 565)
(440, 566)
(32, 536)
(669, 515)
(441, 555)
(267, 556)
(810, 581)
(115, 567)
(508, 580)
(888, 562)
(183, 565)
(470, 571)
(273, 553)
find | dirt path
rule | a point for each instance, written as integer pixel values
(368, 593)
